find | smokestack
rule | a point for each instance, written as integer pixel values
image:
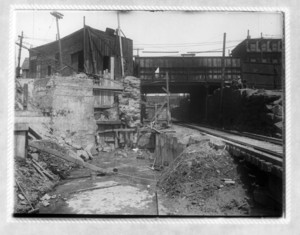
(248, 34)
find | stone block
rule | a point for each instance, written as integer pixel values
(35, 156)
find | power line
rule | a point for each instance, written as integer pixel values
(179, 44)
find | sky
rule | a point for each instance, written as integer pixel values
(162, 31)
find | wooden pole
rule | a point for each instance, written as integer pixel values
(59, 43)
(58, 16)
(121, 47)
(84, 56)
(19, 56)
(222, 81)
(168, 99)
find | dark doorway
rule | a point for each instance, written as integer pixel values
(106, 63)
(77, 61)
(80, 61)
(49, 70)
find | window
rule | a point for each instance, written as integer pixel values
(252, 60)
(38, 71)
(264, 60)
(106, 63)
(77, 61)
(274, 61)
(264, 46)
(274, 46)
(252, 47)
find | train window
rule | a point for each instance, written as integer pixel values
(274, 46)
(264, 60)
(264, 46)
(252, 60)
(252, 47)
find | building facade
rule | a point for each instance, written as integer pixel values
(87, 50)
(261, 60)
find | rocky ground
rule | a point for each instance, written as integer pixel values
(207, 181)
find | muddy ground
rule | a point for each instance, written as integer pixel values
(196, 187)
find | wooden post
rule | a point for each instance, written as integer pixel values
(168, 98)
(116, 140)
(19, 56)
(121, 47)
(84, 56)
(155, 110)
(112, 68)
(25, 96)
(222, 81)
(58, 16)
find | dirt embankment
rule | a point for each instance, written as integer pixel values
(207, 180)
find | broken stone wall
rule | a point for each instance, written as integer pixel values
(129, 101)
(69, 102)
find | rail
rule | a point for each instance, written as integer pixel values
(264, 144)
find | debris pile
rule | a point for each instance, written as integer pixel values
(263, 110)
(34, 184)
(207, 177)
(129, 101)
(253, 110)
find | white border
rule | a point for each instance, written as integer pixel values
(10, 181)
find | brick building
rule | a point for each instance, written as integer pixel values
(261, 60)
(88, 49)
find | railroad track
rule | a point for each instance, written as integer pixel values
(268, 145)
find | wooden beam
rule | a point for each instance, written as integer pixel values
(117, 130)
(34, 134)
(39, 145)
(109, 122)
(108, 88)
(159, 110)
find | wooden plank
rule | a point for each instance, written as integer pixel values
(39, 171)
(38, 145)
(108, 88)
(109, 122)
(43, 170)
(25, 96)
(21, 127)
(119, 130)
(36, 135)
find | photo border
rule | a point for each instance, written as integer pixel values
(200, 220)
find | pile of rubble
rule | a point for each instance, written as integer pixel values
(263, 110)
(41, 171)
(253, 110)
(129, 101)
(207, 177)
(32, 184)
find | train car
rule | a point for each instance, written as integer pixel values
(187, 69)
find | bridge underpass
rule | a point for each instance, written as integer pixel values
(195, 94)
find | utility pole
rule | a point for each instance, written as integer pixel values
(137, 51)
(19, 56)
(223, 80)
(58, 16)
(84, 50)
(121, 49)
